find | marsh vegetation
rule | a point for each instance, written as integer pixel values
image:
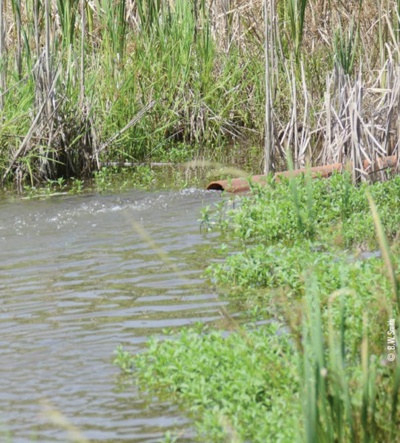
(316, 266)
(88, 82)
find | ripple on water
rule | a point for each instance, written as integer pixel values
(78, 277)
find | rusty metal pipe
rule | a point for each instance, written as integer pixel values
(238, 185)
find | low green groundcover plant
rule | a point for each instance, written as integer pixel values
(242, 387)
(329, 211)
(324, 368)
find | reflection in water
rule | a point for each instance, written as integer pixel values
(76, 280)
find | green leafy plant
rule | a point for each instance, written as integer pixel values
(124, 360)
(77, 186)
(229, 381)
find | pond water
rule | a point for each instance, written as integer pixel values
(80, 275)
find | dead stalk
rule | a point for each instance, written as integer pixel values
(3, 84)
(83, 33)
(269, 142)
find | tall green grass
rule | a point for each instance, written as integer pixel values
(330, 413)
(346, 47)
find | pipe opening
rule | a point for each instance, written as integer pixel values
(215, 187)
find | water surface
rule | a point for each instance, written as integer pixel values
(80, 275)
